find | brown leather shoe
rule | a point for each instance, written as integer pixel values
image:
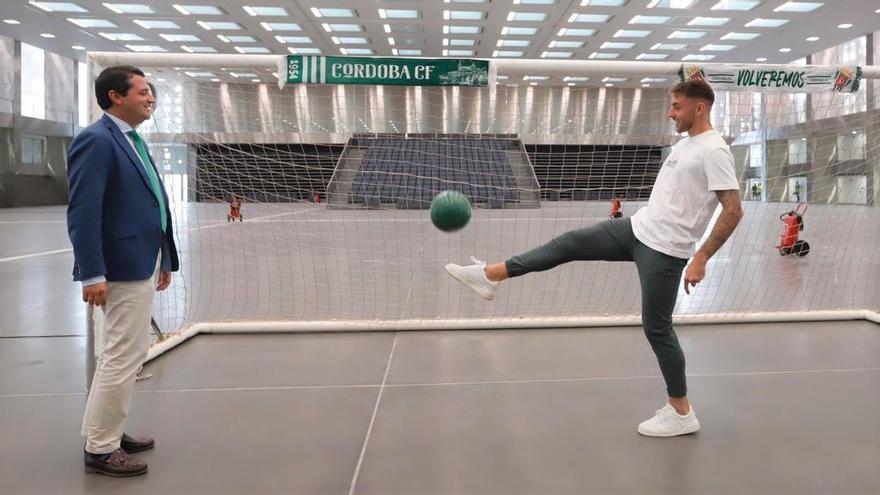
(120, 464)
(136, 444)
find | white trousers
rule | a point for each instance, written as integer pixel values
(123, 349)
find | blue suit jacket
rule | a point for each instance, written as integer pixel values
(112, 214)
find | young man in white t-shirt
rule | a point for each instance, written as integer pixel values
(697, 175)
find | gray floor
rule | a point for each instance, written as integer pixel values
(786, 409)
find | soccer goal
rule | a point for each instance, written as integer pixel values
(302, 206)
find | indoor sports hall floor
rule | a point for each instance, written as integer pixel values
(785, 408)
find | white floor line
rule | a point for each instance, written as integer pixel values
(357, 469)
(257, 219)
(385, 385)
(35, 255)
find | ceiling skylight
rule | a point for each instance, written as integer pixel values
(330, 12)
(687, 35)
(575, 78)
(58, 6)
(398, 13)
(740, 36)
(121, 36)
(408, 52)
(179, 37)
(266, 11)
(669, 46)
(526, 16)
(130, 8)
(464, 15)
(604, 55)
(708, 21)
(566, 44)
(631, 33)
(350, 40)
(736, 5)
(145, 48)
(252, 49)
(461, 29)
(518, 31)
(507, 53)
(552, 54)
(199, 9)
(515, 43)
(304, 50)
(337, 28)
(602, 3)
(219, 26)
(199, 49)
(356, 51)
(714, 47)
(702, 58)
(589, 18)
(766, 23)
(576, 32)
(652, 56)
(92, 23)
(229, 38)
(617, 45)
(650, 19)
(798, 7)
(156, 24)
(293, 39)
(670, 4)
(458, 53)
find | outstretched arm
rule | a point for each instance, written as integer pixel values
(731, 213)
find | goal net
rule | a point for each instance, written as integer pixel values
(333, 182)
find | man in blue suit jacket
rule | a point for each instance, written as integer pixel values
(119, 223)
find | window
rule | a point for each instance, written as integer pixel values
(82, 84)
(33, 84)
(32, 149)
(851, 146)
(797, 151)
(756, 155)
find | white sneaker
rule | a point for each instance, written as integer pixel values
(668, 423)
(475, 277)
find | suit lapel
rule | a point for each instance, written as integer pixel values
(122, 141)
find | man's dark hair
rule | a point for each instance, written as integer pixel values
(117, 79)
(695, 88)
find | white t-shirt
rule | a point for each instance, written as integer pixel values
(683, 199)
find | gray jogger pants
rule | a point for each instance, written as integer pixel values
(659, 275)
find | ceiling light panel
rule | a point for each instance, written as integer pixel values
(526, 16)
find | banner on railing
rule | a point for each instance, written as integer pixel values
(306, 69)
(790, 79)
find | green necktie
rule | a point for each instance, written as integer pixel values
(151, 174)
